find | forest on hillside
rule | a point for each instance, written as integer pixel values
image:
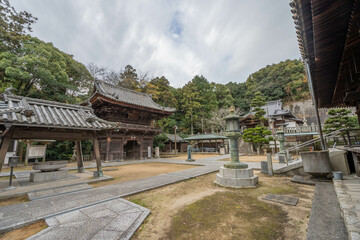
(39, 69)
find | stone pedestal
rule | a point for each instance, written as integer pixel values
(157, 152)
(48, 176)
(236, 178)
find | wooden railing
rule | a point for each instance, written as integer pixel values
(299, 129)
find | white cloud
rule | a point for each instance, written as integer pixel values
(223, 40)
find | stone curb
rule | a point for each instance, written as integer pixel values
(348, 211)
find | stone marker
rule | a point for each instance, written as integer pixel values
(287, 200)
(189, 149)
(157, 152)
(264, 167)
(149, 152)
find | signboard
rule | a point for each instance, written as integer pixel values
(37, 151)
(272, 144)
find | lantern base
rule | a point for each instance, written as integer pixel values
(190, 160)
(236, 165)
(236, 178)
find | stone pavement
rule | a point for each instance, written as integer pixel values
(348, 194)
(50, 192)
(114, 219)
(325, 221)
(15, 216)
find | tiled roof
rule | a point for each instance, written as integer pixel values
(273, 109)
(128, 96)
(34, 112)
(171, 137)
(205, 137)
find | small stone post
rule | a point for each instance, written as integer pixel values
(157, 152)
(281, 153)
(269, 162)
(189, 149)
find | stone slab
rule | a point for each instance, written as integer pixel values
(48, 176)
(287, 200)
(303, 180)
(99, 221)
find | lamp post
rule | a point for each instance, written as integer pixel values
(235, 174)
(233, 133)
(175, 139)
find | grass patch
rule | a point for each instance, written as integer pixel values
(13, 200)
(139, 201)
(237, 215)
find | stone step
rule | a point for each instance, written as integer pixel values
(50, 192)
(292, 166)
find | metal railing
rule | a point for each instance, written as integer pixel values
(296, 148)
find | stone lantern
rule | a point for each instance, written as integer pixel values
(235, 174)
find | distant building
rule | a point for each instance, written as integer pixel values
(274, 112)
(181, 144)
(134, 113)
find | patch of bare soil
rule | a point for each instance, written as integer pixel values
(138, 171)
(13, 200)
(24, 232)
(199, 209)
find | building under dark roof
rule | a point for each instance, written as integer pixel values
(274, 111)
(30, 118)
(181, 144)
(329, 42)
(135, 113)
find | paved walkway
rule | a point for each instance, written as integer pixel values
(325, 221)
(348, 194)
(15, 216)
(115, 219)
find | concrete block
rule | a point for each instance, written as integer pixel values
(48, 176)
(316, 163)
(236, 173)
(264, 167)
(236, 182)
(338, 161)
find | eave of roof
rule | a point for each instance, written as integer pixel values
(32, 112)
(205, 137)
(322, 28)
(128, 97)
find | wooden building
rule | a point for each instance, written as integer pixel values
(329, 42)
(169, 147)
(30, 118)
(135, 114)
(275, 113)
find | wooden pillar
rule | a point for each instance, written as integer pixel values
(122, 149)
(97, 157)
(4, 145)
(44, 157)
(216, 145)
(27, 152)
(79, 157)
(170, 145)
(108, 141)
(141, 150)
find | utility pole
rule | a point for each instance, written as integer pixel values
(175, 140)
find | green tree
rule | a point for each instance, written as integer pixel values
(161, 92)
(257, 102)
(258, 136)
(38, 69)
(238, 92)
(340, 119)
(129, 78)
(223, 96)
(190, 104)
(13, 26)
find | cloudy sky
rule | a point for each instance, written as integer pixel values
(224, 40)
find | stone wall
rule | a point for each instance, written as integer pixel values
(305, 109)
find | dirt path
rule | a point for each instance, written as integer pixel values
(137, 171)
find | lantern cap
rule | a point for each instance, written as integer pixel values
(232, 115)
